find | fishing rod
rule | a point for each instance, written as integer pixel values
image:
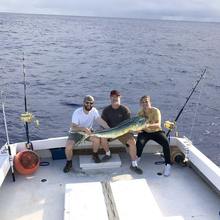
(29, 145)
(27, 117)
(170, 125)
(7, 137)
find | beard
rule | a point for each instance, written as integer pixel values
(87, 107)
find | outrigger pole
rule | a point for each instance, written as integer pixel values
(7, 137)
(181, 110)
(26, 117)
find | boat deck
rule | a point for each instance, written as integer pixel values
(183, 195)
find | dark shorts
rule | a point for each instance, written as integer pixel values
(76, 137)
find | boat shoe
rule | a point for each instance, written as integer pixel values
(106, 158)
(136, 169)
(67, 167)
(95, 157)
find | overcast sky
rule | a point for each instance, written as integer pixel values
(205, 10)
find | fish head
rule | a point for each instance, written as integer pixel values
(139, 123)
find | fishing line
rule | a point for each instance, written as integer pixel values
(188, 98)
(195, 113)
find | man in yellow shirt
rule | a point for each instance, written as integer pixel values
(153, 131)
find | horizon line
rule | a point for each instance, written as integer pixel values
(162, 18)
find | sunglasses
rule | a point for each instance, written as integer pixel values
(89, 103)
(144, 102)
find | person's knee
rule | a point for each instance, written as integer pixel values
(104, 141)
(166, 144)
(131, 143)
(69, 144)
(96, 141)
(140, 142)
(68, 148)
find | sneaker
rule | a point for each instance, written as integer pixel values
(106, 158)
(67, 167)
(167, 170)
(96, 158)
(136, 169)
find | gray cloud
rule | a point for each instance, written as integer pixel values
(198, 9)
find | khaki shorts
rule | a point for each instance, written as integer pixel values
(125, 138)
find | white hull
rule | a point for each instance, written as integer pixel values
(183, 195)
(203, 164)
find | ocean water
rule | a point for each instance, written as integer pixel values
(67, 57)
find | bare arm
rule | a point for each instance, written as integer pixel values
(153, 126)
(74, 127)
(102, 123)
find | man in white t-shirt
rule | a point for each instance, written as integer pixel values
(83, 119)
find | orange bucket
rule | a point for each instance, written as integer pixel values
(26, 162)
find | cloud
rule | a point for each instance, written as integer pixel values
(117, 8)
(181, 10)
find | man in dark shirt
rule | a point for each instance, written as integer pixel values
(113, 115)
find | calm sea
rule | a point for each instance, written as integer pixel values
(67, 57)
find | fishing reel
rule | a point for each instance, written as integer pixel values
(169, 125)
(28, 117)
(177, 156)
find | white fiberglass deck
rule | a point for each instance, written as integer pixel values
(183, 195)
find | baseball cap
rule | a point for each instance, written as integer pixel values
(115, 92)
(89, 98)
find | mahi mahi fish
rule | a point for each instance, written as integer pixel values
(130, 125)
